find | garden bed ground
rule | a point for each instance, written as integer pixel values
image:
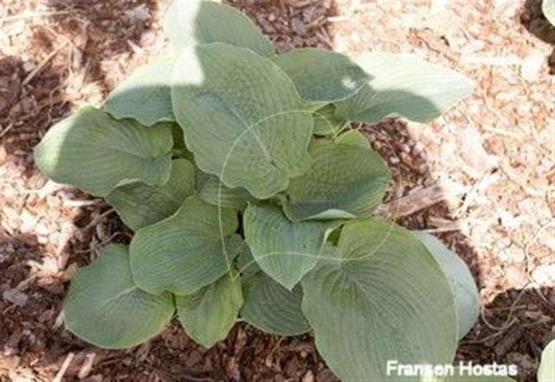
(484, 173)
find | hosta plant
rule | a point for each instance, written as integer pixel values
(251, 199)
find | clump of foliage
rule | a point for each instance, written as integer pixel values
(251, 199)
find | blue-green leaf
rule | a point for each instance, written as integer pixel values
(285, 250)
(382, 297)
(242, 118)
(548, 9)
(190, 249)
(353, 137)
(546, 372)
(212, 191)
(209, 314)
(345, 181)
(321, 75)
(139, 204)
(325, 121)
(95, 152)
(272, 308)
(462, 282)
(403, 85)
(104, 306)
(145, 95)
(192, 22)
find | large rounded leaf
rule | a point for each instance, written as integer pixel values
(212, 191)
(242, 118)
(209, 314)
(462, 282)
(345, 181)
(321, 75)
(191, 22)
(383, 297)
(285, 250)
(139, 204)
(403, 85)
(104, 306)
(546, 372)
(145, 95)
(95, 152)
(186, 251)
(272, 308)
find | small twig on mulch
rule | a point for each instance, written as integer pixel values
(5, 131)
(43, 64)
(413, 202)
(508, 341)
(510, 319)
(97, 219)
(59, 377)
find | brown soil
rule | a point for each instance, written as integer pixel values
(482, 177)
